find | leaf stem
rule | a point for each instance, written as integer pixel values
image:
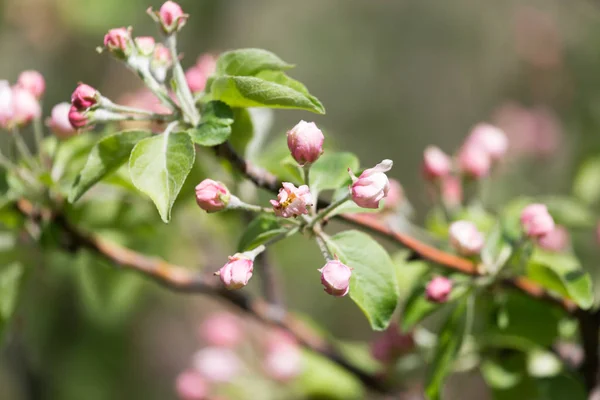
(321, 240)
(236, 204)
(182, 90)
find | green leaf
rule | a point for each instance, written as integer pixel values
(575, 280)
(246, 62)
(159, 165)
(373, 284)
(215, 125)
(569, 211)
(449, 342)
(260, 230)
(106, 157)
(587, 182)
(249, 91)
(330, 171)
(242, 130)
(503, 373)
(418, 307)
(10, 283)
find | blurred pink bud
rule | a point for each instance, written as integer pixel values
(466, 238)
(118, 41)
(84, 97)
(292, 201)
(557, 240)
(212, 196)
(207, 63)
(162, 56)
(217, 364)
(26, 106)
(145, 45)
(474, 161)
(33, 82)
(222, 329)
(536, 221)
(283, 362)
(438, 289)
(77, 118)
(452, 193)
(196, 79)
(237, 272)
(190, 385)
(59, 120)
(490, 138)
(172, 17)
(6, 104)
(335, 276)
(391, 344)
(395, 195)
(371, 186)
(305, 142)
(436, 163)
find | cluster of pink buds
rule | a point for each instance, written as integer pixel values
(438, 289)
(537, 221)
(19, 104)
(466, 238)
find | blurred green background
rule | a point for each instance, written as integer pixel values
(395, 76)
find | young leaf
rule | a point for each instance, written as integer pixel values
(249, 91)
(373, 284)
(106, 157)
(246, 62)
(418, 307)
(330, 172)
(215, 125)
(587, 185)
(449, 342)
(159, 165)
(260, 230)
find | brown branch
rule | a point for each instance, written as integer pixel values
(265, 180)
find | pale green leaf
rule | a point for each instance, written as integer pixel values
(587, 182)
(215, 125)
(330, 171)
(260, 230)
(246, 62)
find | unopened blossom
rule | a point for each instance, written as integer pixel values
(305, 142)
(212, 196)
(171, 17)
(335, 277)
(6, 104)
(283, 361)
(556, 240)
(84, 97)
(191, 385)
(237, 272)
(118, 41)
(490, 138)
(33, 82)
(77, 118)
(474, 161)
(536, 221)
(145, 45)
(292, 201)
(438, 289)
(217, 364)
(391, 344)
(223, 330)
(59, 120)
(451, 191)
(395, 196)
(371, 186)
(26, 106)
(466, 238)
(436, 163)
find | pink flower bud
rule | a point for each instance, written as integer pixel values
(217, 364)
(536, 221)
(6, 104)
(77, 118)
(26, 106)
(237, 272)
(466, 238)
(145, 45)
(395, 196)
(371, 186)
(436, 163)
(283, 361)
(490, 138)
(305, 141)
(335, 276)
(195, 79)
(162, 56)
(557, 240)
(292, 201)
(212, 196)
(172, 17)
(207, 63)
(190, 385)
(438, 289)
(118, 41)
(222, 330)
(392, 344)
(59, 120)
(474, 161)
(84, 97)
(33, 82)
(452, 193)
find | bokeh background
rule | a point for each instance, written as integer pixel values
(395, 76)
